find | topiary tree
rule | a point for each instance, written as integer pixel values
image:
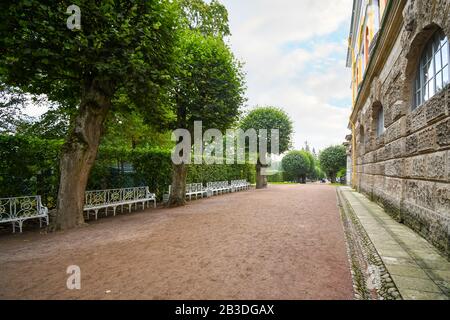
(124, 48)
(268, 118)
(333, 159)
(296, 165)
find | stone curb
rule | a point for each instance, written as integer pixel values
(363, 258)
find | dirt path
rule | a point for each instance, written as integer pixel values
(285, 242)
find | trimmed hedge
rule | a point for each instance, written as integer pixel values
(153, 168)
(30, 166)
(278, 177)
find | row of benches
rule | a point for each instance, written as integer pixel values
(213, 188)
(113, 199)
(17, 210)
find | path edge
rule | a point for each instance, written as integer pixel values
(362, 254)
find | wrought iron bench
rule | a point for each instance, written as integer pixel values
(193, 189)
(19, 209)
(218, 187)
(114, 198)
(239, 185)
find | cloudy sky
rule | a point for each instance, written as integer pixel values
(294, 53)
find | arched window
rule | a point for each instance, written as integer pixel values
(366, 46)
(380, 122)
(433, 69)
(362, 136)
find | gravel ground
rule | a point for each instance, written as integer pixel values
(285, 242)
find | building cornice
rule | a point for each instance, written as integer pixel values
(390, 28)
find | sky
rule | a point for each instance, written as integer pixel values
(294, 53)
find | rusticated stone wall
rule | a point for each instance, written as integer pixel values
(407, 168)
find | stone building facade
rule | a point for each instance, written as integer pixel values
(400, 121)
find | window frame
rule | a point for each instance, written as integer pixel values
(425, 89)
(380, 127)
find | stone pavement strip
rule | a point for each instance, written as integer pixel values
(418, 270)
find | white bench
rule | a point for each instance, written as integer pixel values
(239, 185)
(218, 187)
(16, 210)
(193, 189)
(114, 198)
(212, 188)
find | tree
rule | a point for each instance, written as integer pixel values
(268, 118)
(296, 165)
(124, 47)
(207, 18)
(333, 159)
(209, 88)
(312, 164)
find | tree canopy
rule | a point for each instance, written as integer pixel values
(209, 85)
(268, 118)
(297, 165)
(332, 160)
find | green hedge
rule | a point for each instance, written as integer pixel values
(153, 168)
(30, 166)
(278, 177)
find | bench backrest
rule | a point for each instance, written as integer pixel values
(191, 187)
(112, 196)
(20, 207)
(217, 185)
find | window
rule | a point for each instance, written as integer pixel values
(380, 122)
(366, 46)
(433, 69)
(362, 136)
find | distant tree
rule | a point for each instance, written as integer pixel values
(123, 48)
(268, 118)
(296, 165)
(312, 165)
(333, 159)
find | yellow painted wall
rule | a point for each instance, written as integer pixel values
(357, 72)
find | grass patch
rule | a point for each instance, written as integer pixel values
(337, 185)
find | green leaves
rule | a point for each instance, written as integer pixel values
(125, 43)
(296, 165)
(270, 118)
(209, 83)
(210, 19)
(333, 159)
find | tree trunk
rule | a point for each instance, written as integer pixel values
(78, 156)
(261, 180)
(178, 191)
(333, 178)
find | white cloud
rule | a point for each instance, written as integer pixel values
(293, 61)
